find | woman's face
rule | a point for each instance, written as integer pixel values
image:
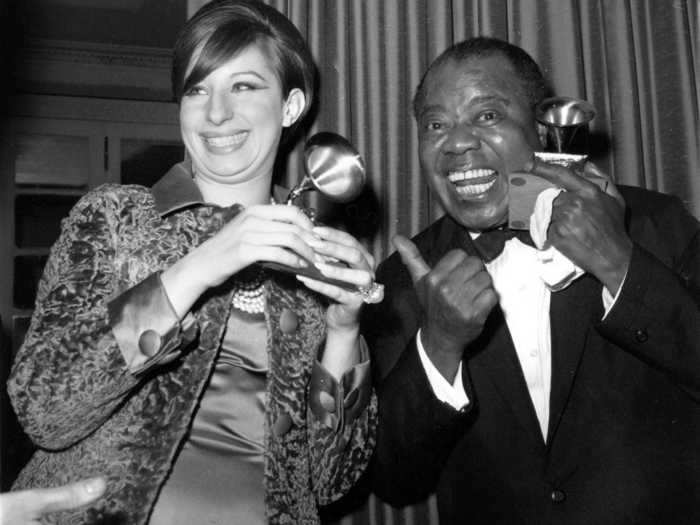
(231, 121)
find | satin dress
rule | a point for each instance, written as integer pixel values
(217, 478)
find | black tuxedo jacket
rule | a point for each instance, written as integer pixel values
(623, 444)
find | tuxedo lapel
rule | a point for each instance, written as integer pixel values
(496, 359)
(493, 354)
(573, 311)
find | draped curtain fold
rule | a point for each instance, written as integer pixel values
(635, 60)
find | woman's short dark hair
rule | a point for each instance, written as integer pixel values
(534, 85)
(223, 28)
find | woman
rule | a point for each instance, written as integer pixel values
(161, 355)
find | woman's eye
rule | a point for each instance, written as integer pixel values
(242, 86)
(195, 90)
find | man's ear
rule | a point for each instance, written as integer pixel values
(542, 134)
(293, 107)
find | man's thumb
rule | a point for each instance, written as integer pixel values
(411, 257)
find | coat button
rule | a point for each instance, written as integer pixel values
(289, 321)
(282, 425)
(641, 336)
(327, 401)
(558, 496)
(149, 342)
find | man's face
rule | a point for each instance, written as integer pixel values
(475, 126)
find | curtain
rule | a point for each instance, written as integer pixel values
(636, 61)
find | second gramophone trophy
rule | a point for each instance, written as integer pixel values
(335, 169)
(565, 124)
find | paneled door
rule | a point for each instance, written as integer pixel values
(46, 164)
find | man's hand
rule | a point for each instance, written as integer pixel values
(457, 297)
(588, 224)
(28, 506)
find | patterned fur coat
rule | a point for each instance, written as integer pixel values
(90, 415)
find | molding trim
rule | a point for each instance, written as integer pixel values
(94, 109)
(45, 50)
(63, 67)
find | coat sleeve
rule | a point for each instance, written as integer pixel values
(70, 374)
(342, 424)
(657, 313)
(416, 431)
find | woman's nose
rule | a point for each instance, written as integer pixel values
(219, 108)
(460, 139)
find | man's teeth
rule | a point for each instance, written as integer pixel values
(459, 176)
(469, 177)
(474, 189)
(229, 140)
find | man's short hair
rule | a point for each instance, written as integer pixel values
(534, 85)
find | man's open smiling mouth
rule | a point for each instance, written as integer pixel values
(469, 183)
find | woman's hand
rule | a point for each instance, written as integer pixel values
(342, 316)
(358, 270)
(274, 233)
(269, 232)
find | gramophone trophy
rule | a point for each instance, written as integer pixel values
(564, 121)
(335, 169)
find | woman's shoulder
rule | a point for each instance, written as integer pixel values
(119, 193)
(114, 198)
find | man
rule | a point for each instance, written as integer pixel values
(514, 403)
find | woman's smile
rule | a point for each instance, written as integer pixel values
(222, 144)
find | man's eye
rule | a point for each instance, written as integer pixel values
(434, 125)
(488, 117)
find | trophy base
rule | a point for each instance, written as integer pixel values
(310, 271)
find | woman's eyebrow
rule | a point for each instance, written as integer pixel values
(247, 72)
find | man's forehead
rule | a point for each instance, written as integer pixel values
(477, 79)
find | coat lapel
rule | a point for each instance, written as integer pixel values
(573, 311)
(497, 360)
(495, 356)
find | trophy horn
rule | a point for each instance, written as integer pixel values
(336, 170)
(566, 122)
(333, 167)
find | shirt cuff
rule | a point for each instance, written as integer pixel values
(452, 394)
(608, 299)
(336, 403)
(146, 327)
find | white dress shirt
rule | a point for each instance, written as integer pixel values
(524, 299)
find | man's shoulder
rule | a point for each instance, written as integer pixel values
(657, 210)
(641, 201)
(426, 241)
(661, 224)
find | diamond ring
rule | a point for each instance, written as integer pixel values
(371, 294)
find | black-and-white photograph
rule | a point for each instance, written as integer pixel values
(350, 262)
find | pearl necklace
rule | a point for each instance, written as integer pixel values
(249, 290)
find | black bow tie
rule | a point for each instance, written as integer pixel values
(490, 244)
